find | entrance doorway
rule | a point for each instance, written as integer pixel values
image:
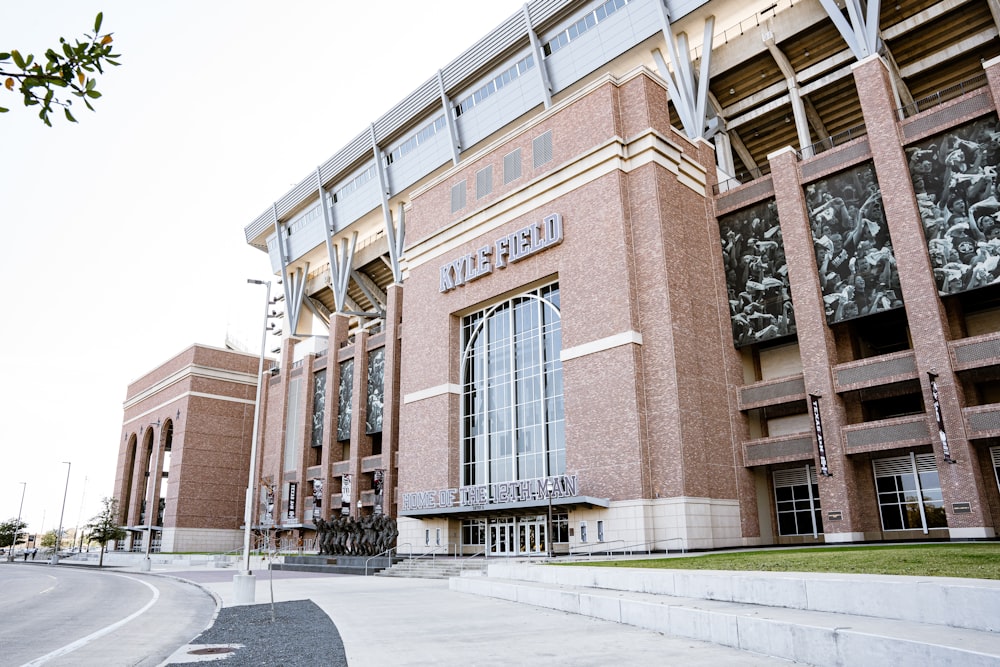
(517, 536)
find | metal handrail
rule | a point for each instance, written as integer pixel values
(432, 553)
(387, 552)
(631, 548)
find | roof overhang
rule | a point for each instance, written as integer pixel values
(520, 507)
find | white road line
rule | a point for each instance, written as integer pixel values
(69, 648)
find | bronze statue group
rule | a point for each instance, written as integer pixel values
(370, 536)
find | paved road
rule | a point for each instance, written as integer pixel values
(63, 616)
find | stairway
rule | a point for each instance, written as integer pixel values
(434, 568)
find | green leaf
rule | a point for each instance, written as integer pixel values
(69, 116)
(93, 94)
(4, 56)
(18, 60)
(3, 110)
(97, 21)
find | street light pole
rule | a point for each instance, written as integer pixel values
(549, 488)
(155, 477)
(55, 553)
(17, 526)
(245, 583)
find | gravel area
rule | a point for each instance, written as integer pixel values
(301, 635)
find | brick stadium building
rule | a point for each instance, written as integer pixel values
(198, 409)
(686, 274)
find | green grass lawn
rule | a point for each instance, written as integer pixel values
(976, 560)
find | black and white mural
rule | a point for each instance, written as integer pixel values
(760, 300)
(854, 256)
(376, 384)
(954, 176)
(344, 396)
(319, 406)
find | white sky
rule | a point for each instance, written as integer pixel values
(123, 233)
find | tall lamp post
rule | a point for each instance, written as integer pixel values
(55, 553)
(17, 526)
(549, 488)
(155, 477)
(245, 583)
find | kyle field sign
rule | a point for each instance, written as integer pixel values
(505, 250)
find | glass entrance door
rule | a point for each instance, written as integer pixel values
(531, 537)
(517, 537)
(502, 537)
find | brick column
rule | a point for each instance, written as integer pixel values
(924, 310)
(331, 447)
(390, 392)
(359, 406)
(992, 68)
(817, 348)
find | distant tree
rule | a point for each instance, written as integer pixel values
(48, 540)
(105, 527)
(8, 529)
(70, 67)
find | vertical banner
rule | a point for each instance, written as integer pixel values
(820, 446)
(293, 488)
(940, 420)
(379, 483)
(268, 503)
(345, 495)
(317, 488)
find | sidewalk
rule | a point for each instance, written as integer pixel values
(390, 621)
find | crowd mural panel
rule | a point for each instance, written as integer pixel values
(854, 256)
(753, 254)
(954, 177)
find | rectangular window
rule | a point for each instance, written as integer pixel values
(600, 531)
(458, 197)
(541, 148)
(474, 532)
(494, 84)
(583, 25)
(560, 527)
(484, 182)
(512, 166)
(796, 500)
(909, 493)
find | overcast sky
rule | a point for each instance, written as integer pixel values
(123, 233)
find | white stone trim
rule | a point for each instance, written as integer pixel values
(197, 394)
(837, 538)
(192, 370)
(976, 532)
(630, 337)
(431, 392)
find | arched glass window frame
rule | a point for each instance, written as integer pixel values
(484, 473)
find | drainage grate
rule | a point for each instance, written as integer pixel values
(213, 650)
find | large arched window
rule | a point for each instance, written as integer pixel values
(512, 390)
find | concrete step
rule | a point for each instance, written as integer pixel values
(805, 635)
(433, 569)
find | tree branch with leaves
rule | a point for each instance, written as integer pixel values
(71, 71)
